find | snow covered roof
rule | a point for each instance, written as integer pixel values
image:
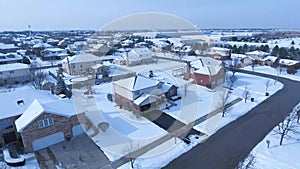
(59, 107)
(10, 106)
(42, 45)
(145, 99)
(81, 58)
(13, 66)
(288, 62)
(7, 46)
(207, 66)
(257, 53)
(55, 49)
(236, 55)
(136, 83)
(219, 49)
(271, 58)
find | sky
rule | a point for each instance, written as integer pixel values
(95, 14)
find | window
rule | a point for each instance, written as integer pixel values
(6, 124)
(46, 122)
(11, 72)
(1, 73)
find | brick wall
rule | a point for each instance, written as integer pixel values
(61, 124)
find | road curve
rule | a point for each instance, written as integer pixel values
(234, 142)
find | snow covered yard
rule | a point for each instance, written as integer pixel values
(256, 86)
(127, 132)
(280, 148)
(31, 163)
(273, 71)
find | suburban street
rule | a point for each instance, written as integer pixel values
(233, 142)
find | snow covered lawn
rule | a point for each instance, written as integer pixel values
(31, 163)
(273, 71)
(256, 86)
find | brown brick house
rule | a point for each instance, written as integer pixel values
(37, 119)
(42, 125)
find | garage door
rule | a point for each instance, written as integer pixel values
(77, 130)
(47, 141)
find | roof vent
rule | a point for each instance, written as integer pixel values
(20, 102)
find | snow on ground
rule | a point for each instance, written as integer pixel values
(31, 163)
(175, 146)
(256, 86)
(275, 72)
(127, 131)
(277, 157)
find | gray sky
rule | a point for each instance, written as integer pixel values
(94, 14)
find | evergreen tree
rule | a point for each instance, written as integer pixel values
(292, 43)
(234, 49)
(283, 52)
(245, 48)
(275, 51)
(60, 85)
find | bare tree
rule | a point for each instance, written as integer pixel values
(234, 66)
(130, 153)
(38, 76)
(224, 96)
(246, 94)
(267, 84)
(287, 127)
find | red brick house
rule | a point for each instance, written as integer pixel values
(206, 72)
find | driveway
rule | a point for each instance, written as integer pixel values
(235, 141)
(81, 152)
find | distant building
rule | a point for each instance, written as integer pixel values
(135, 56)
(14, 73)
(8, 48)
(10, 58)
(219, 53)
(54, 54)
(80, 64)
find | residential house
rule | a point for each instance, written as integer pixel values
(14, 73)
(135, 56)
(8, 48)
(243, 60)
(219, 53)
(100, 49)
(39, 47)
(54, 54)
(206, 72)
(37, 119)
(80, 64)
(257, 56)
(10, 58)
(141, 93)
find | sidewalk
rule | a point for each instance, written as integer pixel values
(182, 130)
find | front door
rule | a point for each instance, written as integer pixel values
(9, 137)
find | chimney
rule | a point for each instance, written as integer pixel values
(127, 60)
(52, 89)
(187, 74)
(151, 74)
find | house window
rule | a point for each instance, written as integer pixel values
(11, 72)
(6, 124)
(1, 73)
(46, 122)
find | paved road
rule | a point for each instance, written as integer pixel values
(233, 142)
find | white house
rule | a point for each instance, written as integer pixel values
(14, 73)
(135, 56)
(54, 54)
(10, 58)
(80, 64)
